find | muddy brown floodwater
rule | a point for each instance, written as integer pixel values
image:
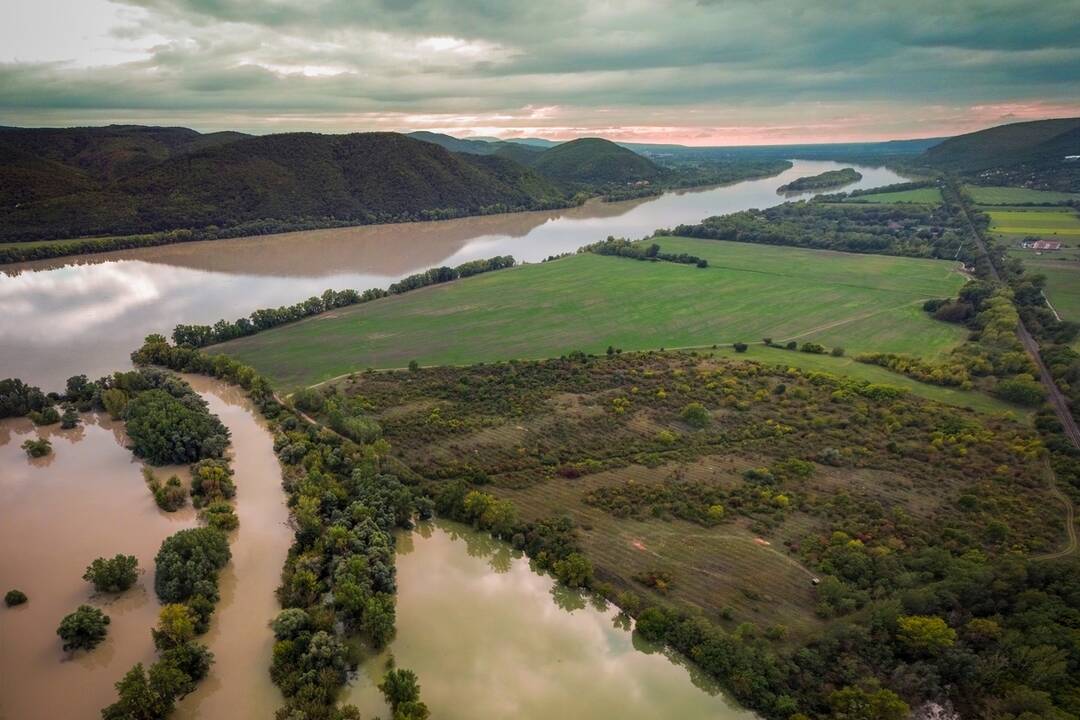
(490, 638)
(88, 499)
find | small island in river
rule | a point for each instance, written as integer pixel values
(827, 179)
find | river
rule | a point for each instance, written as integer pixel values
(488, 637)
(88, 499)
(85, 314)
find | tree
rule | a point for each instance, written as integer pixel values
(399, 686)
(925, 633)
(574, 570)
(83, 629)
(115, 575)
(696, 415)
(69, 419)
(115, 401)
(853, 703)
(148, 696)
(163, 429)
(188, 563)
(176, 626)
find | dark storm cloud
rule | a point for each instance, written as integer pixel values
(493, 63)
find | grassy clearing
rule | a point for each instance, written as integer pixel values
(1042, 222)
(1017, 196)
(978, 401)
(919, 196)
(588, 302)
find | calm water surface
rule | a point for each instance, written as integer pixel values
(88, 499)
(65, 316)
(490, 638)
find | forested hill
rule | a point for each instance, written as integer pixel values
(595, 161)
(1027, 153)
(120, 180)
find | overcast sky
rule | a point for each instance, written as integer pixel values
(692, 71)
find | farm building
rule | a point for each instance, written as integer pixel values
(1041, 245)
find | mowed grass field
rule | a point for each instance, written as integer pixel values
(1056, 223)
(1016, 196)
(919, 196)
(588, 302)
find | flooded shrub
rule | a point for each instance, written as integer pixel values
(115, 401)
(220, 514)
(69, 419)
(83, 629)
(48, 416)
(211, 480)
(113, 575)
(14, 597)
(37, 448)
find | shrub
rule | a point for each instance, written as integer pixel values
(115, 575)
(837, 352)
(695, 415)
(37, 448)
(309, 400)
(211, 479)
(740, 347)
(83, 629)
(1022, 390)
(170, 496)
(69, 419)
(791, 345)
(220, 514)
(115, 401)
(48, 416)
(814, 348)
(14, 597)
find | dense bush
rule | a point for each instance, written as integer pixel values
(14, 597)
(112, 575)
(83, 629)
(187, 565)
(168, 430)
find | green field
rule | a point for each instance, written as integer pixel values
(919, 196)
(588, 302)
(1016, 196)
(1060, 223)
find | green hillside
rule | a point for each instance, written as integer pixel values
(60, 184)
(595, 161)
(1003, 145)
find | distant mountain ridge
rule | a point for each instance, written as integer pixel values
(122, 180)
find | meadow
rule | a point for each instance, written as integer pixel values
(1057, 223)
(589, 302)
(983, 195)
(919, 196)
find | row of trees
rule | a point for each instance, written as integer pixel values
(345, 507)
(621, 247)
(197, 336)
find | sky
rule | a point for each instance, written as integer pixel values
(697, 72)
